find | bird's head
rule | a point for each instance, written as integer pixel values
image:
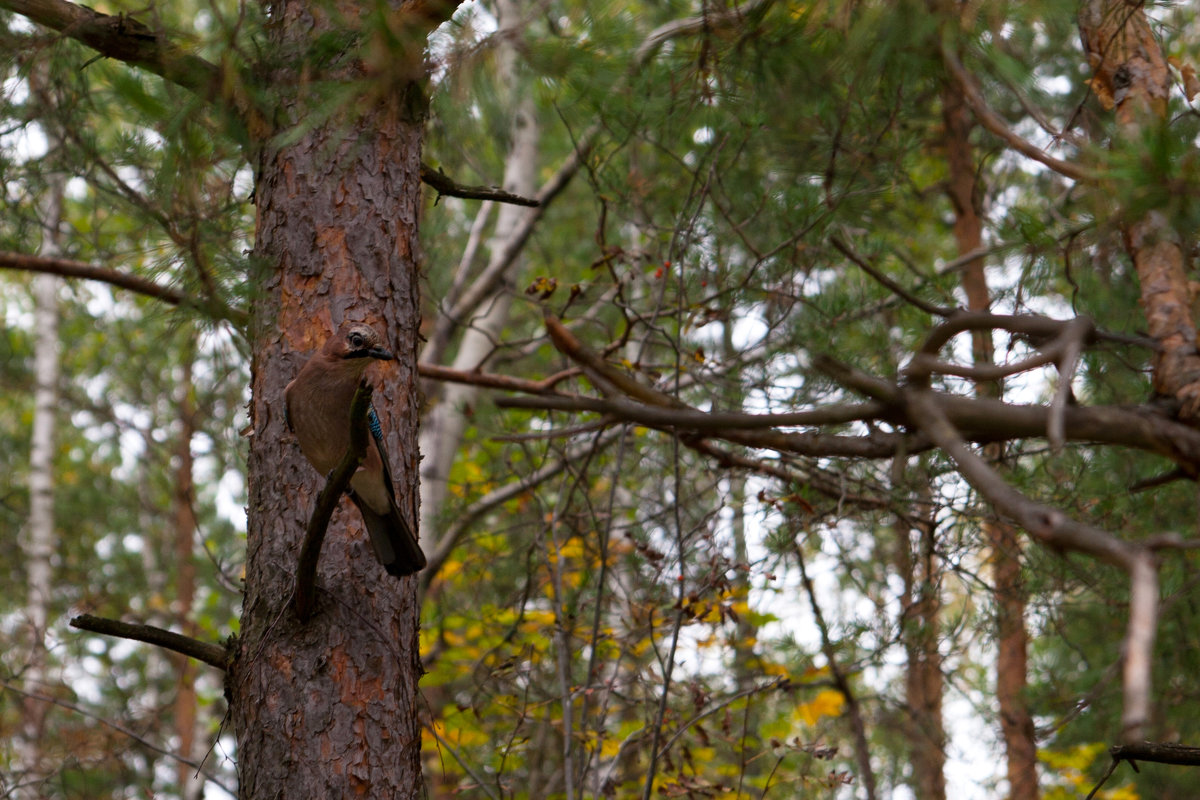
(357, 340)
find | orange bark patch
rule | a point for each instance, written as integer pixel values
(331, 244)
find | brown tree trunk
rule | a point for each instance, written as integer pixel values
(185, 583)
(1131, 78)
(329, 708)
(1016, 723)
(920, 626)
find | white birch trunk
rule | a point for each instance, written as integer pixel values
(39, 542)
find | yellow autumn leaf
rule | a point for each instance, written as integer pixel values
(609, 747)
(775, 669)
(827, 703)
(1077, 758)
(572, 548)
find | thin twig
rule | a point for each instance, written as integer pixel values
(891, 285)
(1111, 768)
(123, 731)
(992, 121)
(462, 762)
(861, 748)
(780, 682)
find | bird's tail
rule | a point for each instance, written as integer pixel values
(393, 540)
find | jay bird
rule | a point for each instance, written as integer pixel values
(317, 407)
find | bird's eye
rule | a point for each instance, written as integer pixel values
(356, 340)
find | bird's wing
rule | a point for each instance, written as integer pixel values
(377, 435)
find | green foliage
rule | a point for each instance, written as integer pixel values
(695, 247)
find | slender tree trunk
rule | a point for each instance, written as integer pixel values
(1016, 723)
(920, 627)
(185, 582)
(40, 539)
(747, 666)
(329, 708)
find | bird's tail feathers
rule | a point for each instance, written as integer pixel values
(393, 541)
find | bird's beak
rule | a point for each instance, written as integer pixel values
(381, 354)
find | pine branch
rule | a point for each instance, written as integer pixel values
(69, 268)
(442, 183)
(123, 38)
(212, 654)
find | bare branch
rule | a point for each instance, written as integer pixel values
(992, 121)
(1056, 530)
(493, 380)
(694, 419)
(212, 654)
(1158, 753)
(1155, 752)
(856, 380)
(79, 269)
(1139, 647)
(1064, 350)
(1051, 526)
(69, 268)
(443, 185)
(599, 371)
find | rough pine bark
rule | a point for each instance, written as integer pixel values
(328, 708)
(1131, 78)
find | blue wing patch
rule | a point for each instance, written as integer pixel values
(376, 428)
